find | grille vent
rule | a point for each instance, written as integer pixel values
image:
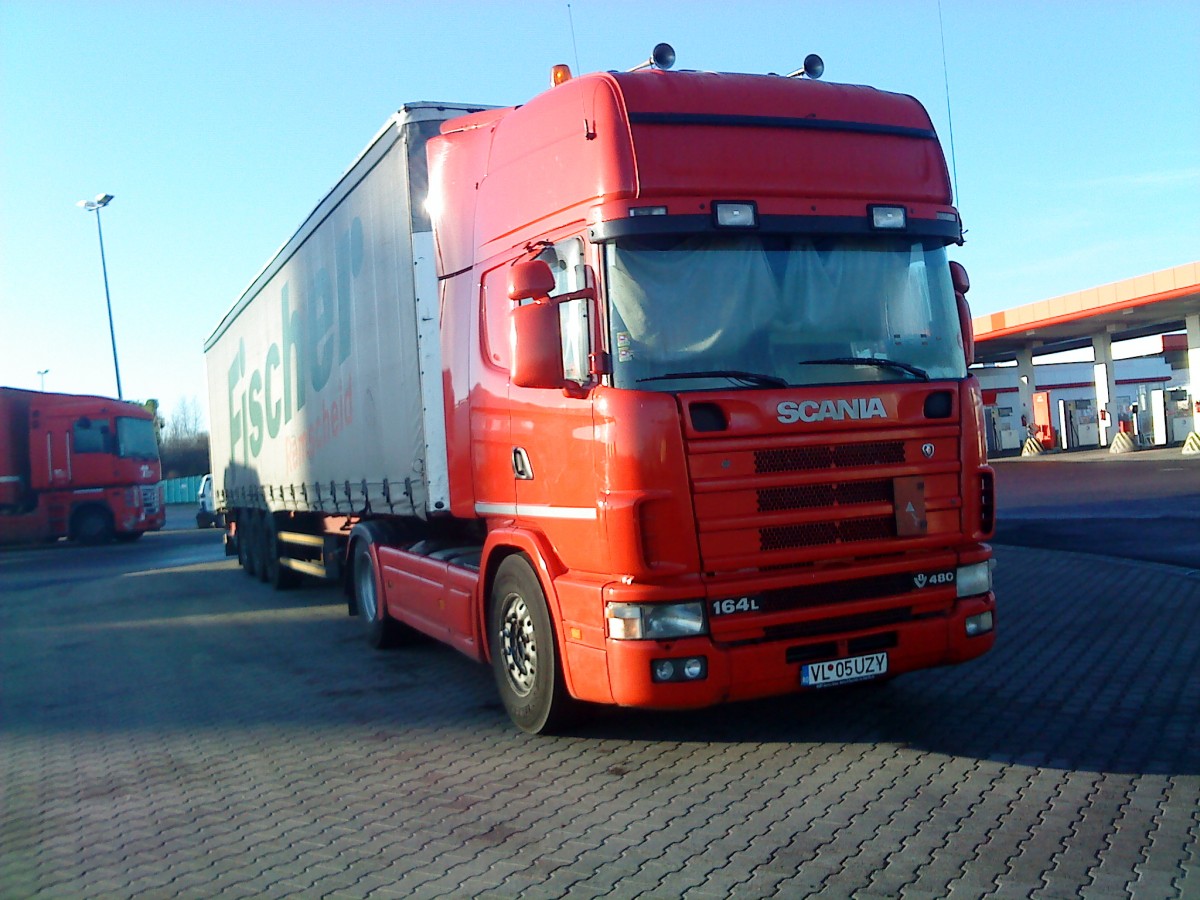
(841, 456)
(814, 534)
(816, 496)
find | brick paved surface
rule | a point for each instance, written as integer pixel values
(188, 732)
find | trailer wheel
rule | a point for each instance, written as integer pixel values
(248, 539)
(382, 630)
(525, 658)
(92, 525)
(239, 538)
(275, 573)
(262, 546)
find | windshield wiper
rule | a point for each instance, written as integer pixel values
(876, 361)
(752, 378)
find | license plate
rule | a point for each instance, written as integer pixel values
(840, 671)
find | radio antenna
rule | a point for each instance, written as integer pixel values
(588, 131)
(949, 118)
(574, 46)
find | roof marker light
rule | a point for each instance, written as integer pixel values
(559, 74)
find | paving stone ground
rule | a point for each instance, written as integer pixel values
(188, 732)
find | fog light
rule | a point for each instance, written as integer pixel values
(980, 624)
(692, 668)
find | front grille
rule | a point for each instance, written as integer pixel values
(840, 456)
(817, 496)
(813, 534)
(150, 498)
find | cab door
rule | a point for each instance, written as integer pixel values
(553, 437)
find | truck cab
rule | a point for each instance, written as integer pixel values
(707, 367)
(81, 467)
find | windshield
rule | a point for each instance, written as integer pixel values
(135, 439)
(703, 312)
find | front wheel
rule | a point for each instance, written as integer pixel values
(93, 525)
(525, 658)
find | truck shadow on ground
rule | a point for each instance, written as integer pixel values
(1088, 679)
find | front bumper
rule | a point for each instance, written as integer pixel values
(771, 668)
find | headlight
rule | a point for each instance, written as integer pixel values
(974, 579)
(654, 621)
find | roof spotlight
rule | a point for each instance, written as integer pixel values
(814, 67)
(662, 57)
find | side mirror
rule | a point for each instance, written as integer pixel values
(536, 336)
(966, 326)
(958, 277)
(530, 280)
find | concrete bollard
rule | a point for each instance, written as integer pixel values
(1122, 443)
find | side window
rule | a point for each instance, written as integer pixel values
(566, 261)
(88, 436)
(494, 325)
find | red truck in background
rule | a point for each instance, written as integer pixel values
(80, 467)
(652, 391)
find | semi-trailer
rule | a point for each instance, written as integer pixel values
(652, 391)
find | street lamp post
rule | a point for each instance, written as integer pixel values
(101, 201)
(42, 375)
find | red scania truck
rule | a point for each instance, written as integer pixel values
(74, 466)
(652, 391)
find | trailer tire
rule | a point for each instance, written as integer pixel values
(250, 540)
(525, 657)
(275, 573)
(382, 630)
(262, 546)
(239, 538)
(92, 525)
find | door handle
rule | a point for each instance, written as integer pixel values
(522, 469)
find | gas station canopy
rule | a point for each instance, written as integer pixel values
(1157, 303)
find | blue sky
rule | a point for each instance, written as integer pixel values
(218, 125)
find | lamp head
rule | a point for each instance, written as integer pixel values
(100, 201)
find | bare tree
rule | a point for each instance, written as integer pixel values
(184, 443)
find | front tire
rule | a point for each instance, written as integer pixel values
(93, 526)
(525, 658)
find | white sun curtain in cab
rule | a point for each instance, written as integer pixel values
(792, 308)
